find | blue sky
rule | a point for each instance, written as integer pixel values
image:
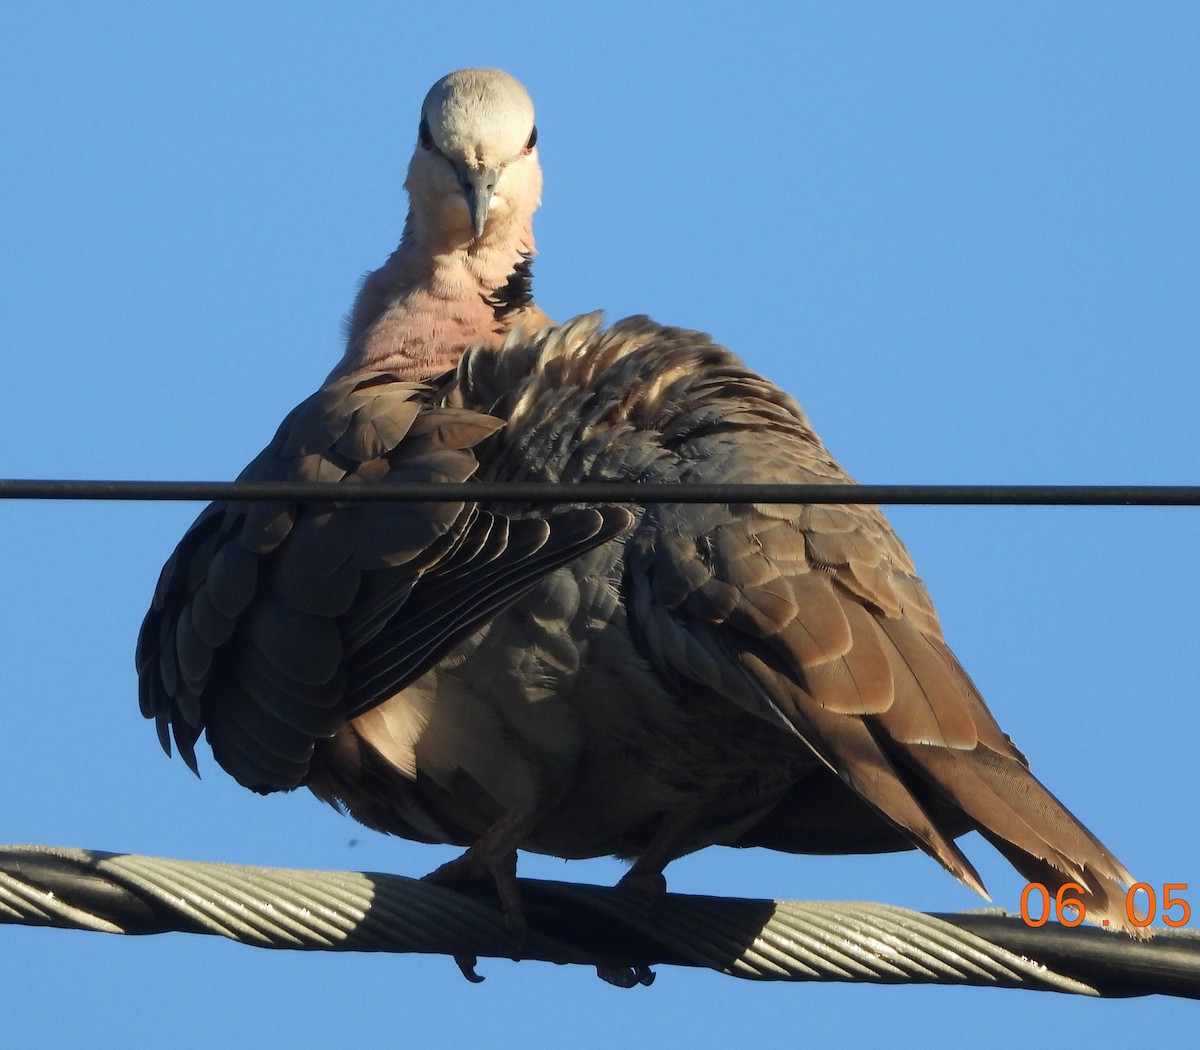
(966, 237)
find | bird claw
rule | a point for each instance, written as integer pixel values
(626, 976)
(467, 964)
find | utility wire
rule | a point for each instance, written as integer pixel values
(608, 492)
(618, 932)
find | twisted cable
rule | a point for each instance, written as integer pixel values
(620, 933)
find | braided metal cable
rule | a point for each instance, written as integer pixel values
(620, 933)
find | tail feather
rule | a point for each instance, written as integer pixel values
(1035, 832)
(847, 746)
(1103, 897)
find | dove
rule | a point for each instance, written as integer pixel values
(642, 681)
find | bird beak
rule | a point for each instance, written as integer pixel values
(478, 187)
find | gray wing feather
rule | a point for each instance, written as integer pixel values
(274, 623)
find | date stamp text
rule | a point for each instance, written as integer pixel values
(1141, 904)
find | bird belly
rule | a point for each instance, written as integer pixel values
(550, 712)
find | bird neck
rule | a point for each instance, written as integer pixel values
(433, 299)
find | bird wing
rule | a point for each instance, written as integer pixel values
(275, 622)
(809, 617)
(812, 617)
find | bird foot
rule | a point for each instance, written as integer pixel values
(649, 884)
(479, 865)
(626, 976)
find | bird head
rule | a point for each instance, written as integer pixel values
(475, 169)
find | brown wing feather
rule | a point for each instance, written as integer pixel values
(273, 623)
(811, 618)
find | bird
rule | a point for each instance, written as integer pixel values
(641, 681)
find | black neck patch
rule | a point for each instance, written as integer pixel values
(516, 292)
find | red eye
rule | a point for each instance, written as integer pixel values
(532, 139)
(423, 136)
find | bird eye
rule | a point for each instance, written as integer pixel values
(532, 139)
(423, 135)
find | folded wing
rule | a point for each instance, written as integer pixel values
(275, 622)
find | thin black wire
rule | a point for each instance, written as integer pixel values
(609, 492)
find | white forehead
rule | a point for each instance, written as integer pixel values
(479, 115)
